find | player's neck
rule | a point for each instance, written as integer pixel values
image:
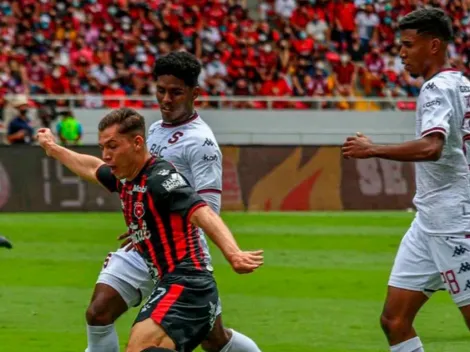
(140, 163)
(436, 68)
(184, 118)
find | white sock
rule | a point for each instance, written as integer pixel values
(102, 339)
(411, 345)
(240, 343)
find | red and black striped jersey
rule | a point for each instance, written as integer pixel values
(157, 206)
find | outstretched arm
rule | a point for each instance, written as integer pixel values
(82, 165)
(241, 261)
(427, 148)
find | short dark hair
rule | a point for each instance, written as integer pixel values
(431, 21)
(180, 64)
(128, 120)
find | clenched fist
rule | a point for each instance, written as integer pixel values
(245, 262)
(45, 139)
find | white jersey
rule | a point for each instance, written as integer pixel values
(443, 187)
(192, 148)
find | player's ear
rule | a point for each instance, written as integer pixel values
(196, 92)
(436, 45)
(139, 143)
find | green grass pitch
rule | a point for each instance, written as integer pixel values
(321, 288)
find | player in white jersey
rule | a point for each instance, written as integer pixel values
(184, 139)
(435, 252)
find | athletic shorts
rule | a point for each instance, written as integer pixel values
(430, 263)
(128, 274)
(185, 306)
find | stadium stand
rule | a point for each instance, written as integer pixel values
(304, 48)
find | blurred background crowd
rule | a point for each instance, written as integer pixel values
(303, 48)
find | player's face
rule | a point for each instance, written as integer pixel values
(119, 151)
(416, 52)
(175, 98)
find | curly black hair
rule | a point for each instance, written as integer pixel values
(180, 64)
(429, 21)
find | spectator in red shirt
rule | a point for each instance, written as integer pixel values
(276, 86)
(374, 69)
(344, 76)
(114, 90)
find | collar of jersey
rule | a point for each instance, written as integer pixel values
(193, 117)
(449, 69)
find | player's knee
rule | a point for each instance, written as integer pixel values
(394, 325)
(215, 342)
(98, 315)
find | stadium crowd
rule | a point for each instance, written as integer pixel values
(104, 48)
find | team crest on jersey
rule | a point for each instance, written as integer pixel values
(139, 210)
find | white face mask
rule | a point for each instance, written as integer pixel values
(56, 73)
(344, 59)
(115, 86)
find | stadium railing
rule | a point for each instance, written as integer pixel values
(221, 102)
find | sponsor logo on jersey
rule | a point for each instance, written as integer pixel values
(210, 157)
(432, 103)
(139, 210)
(139, 234)
(163, 172)
(464, 267)
(175, 181)
(464, 89)
(459, 250)
(430, 86)
(175, 137)
(157, 150)
(139, 189)
(208, 142)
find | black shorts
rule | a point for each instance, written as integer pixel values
(184, 306)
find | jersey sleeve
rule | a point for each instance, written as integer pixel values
(436, 110)
(173, 193)
(107, 179)
(205, 161)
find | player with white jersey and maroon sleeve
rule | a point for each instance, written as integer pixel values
(186, 141)
(434, 254)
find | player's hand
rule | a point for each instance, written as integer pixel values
(127, 241)
(45, 139)
(245, 262)
(358, 146)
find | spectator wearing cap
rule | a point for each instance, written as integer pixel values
(19, 129)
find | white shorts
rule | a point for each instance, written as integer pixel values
(430, 263)
(128, 274)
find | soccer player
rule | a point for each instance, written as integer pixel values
(435, 252)
(184, 139)
(162, 213)
(5, 243)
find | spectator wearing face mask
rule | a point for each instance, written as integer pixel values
(114, 90)
(344, 76)
(20, 130)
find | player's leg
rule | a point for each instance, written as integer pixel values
(413, 279)
(221, 339)
(452, 257)
(178, 315)
(122, 283)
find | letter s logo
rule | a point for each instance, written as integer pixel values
(175, 138)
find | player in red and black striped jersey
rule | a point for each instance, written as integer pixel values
(157, 205)
(162, 213)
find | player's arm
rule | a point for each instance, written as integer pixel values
(172, 192)
(204, 158)
(436, 111)
(85, 166)
(214, 227)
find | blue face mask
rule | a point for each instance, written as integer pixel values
(388, 20)
(6, 9)
(44, 25)
(302, 35)
(112, 11)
